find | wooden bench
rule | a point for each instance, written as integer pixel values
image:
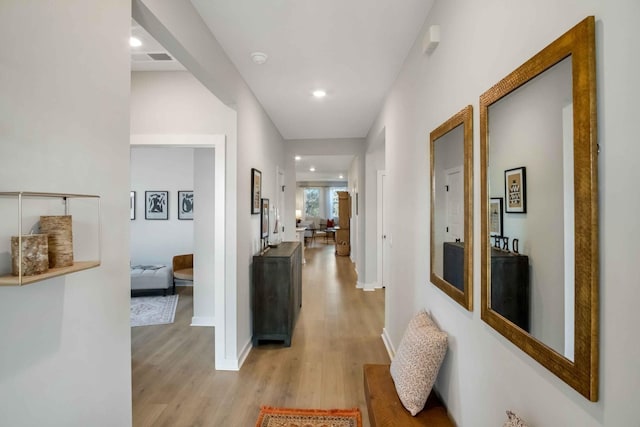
(386, 410)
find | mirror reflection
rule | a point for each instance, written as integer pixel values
(539, 185)
(531, 171)
(451, 177)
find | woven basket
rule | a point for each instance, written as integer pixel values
(343, 248)
(58, 228)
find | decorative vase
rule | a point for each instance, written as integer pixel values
(58, 228)
(35, 256)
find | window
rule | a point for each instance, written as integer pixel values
(333, 197)
(311, 202)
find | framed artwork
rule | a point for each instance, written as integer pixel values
(264, 219)
(185, 204)
(515, 189)
(132, 205)
(495, 217)
(156, 205)
(256, 190)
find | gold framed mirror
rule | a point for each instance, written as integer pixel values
(539, 153)
(451, 149)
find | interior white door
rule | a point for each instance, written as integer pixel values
(455, 205)
(384, 239)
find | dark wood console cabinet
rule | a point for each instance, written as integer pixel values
(454, 264)
(510, 286)
(276, 293)
(509, 281)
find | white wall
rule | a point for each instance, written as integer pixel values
(525, 129)
(160, 169)
(355, 187)
(64, 127)
(205, 237)
(374, 162)
(258, 144)
(481, 42)
(175, 102)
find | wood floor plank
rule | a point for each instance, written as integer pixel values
(175, 384)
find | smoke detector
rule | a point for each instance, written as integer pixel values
(259, 57)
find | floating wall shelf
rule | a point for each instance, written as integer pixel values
(20, 197)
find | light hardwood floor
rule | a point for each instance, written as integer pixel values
(175, 384)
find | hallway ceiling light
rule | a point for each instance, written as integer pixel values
(134, 42)
(312, 169)
(298, 158)
(341, 177)
(259, 57)
(319, 93)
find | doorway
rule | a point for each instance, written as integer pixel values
(205, 312)
(454, 203)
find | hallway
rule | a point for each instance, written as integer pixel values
(174, 383)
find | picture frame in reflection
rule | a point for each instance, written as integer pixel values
(264, 219)
(515, 190)
(495, 217)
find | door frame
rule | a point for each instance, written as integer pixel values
(218, 143)
(381, 229)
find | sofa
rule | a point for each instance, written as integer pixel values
(151, 279)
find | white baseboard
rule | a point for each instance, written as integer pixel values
(388, 344)
(235, 364)
(203, 321)
(245, 353)
(227, 365)
(368, 287)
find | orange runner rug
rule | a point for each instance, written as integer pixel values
(286, 417)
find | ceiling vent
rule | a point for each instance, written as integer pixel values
(150, 57)
(160, 57)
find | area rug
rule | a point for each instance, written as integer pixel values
(285, 417)
(153, 310)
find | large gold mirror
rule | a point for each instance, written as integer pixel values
(540, 208)
(451, 207)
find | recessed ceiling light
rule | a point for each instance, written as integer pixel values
(341, 177)
(134, 42)
(312, 169)
(259, 57)
(298, 158)
(319, 93)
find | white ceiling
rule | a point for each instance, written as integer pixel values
(328, 168)
(351, 48)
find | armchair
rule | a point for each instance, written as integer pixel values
(182, 268)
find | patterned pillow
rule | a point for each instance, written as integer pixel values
(415, 367)
(514, 421)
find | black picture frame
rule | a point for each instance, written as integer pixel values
(264, 219)
(132, 205)
(515, 190)
(256, 191)
(185, 205)
(496, 224)
(156, 205)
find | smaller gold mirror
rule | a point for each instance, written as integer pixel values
(451, 207)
